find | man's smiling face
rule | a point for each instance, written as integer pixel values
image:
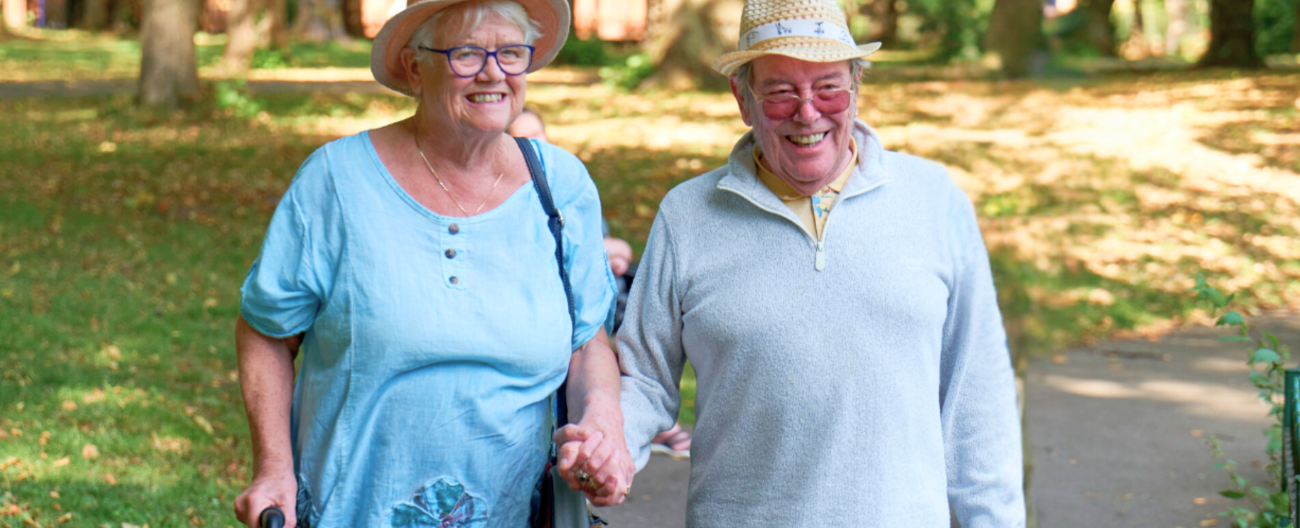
(808, 149)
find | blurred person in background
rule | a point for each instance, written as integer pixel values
(416, 262)
(836, 302)
(676, 441)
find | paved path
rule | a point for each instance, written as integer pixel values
(1118, 432)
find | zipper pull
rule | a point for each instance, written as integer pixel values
(819, 261)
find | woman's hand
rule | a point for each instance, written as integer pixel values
(277, 489)
(594, 463)
(595, 445)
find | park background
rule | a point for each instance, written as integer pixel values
(1114, 150)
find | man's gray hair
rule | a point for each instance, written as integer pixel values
(745, 76)
(463, 18)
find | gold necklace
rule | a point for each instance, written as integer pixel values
(444, 186)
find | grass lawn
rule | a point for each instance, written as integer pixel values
(124, 236)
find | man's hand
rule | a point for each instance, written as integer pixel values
(604, 462)
(279, 489)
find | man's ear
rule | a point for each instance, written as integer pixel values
(411, 68)
(740, 100)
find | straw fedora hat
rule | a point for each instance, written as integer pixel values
(809, 30)
(385, 57)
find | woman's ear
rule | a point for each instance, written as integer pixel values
(411, 68)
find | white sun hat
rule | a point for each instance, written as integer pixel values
(809, 30)
(385, 57)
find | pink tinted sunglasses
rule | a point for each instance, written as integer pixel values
(786, 105)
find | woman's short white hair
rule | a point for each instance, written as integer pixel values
(463, 18)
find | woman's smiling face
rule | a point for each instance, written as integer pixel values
(487, 102)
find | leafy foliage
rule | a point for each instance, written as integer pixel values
(1270, 504)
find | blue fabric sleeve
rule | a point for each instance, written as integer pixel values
(282, 293)
(594, 289)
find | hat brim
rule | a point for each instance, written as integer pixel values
(386, 55)
(809, 49)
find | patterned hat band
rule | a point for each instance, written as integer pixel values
(795, 28)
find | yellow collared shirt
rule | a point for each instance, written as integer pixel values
(811, 210)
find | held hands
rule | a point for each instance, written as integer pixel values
(595, 464)
(266, 491)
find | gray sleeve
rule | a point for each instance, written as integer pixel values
(981, 425)
(650, 345)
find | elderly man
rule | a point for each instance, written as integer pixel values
(856, 376)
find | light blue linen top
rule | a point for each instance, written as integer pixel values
(423, 394)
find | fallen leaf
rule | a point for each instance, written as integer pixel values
(94, 396)
(1197, 432)
(3, 434)
(69, 405)
(90, 452)
(209, 303)
(202, 422)
(45, 437)
(1198, 500)
(54, 494)
(1059, 359)
(112, 352)
(65, 517)
(1209, 522)
(108, 477)
(61, 462)
(44, 456)
(1116, 367)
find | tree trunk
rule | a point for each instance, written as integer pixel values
(1015, 33)
(242, 36)
(696, 32)
(320, 20)
(168, 70)
(1232, 35)
(1099, 31)
(15, 14)
(94, 15)
(1295, 38)
(884, 21)
(277, 13)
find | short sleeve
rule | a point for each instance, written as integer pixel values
(594, 290)
(283, 291)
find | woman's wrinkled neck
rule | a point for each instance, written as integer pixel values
(461, 148)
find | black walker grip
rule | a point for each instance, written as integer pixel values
(272, 517)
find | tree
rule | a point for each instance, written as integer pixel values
(320, 20)
(94, 15)
(276, 15)
(1015, 33)
(1099, 31)
(168, 70)
(884, 21)
(1232, 35)
(685, 44)
(242, 36)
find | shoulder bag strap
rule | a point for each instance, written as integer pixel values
(555, 221)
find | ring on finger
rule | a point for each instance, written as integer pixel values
(586, 481)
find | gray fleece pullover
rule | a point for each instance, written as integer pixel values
(861, 381)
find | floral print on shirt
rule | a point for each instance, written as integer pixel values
(443, 504)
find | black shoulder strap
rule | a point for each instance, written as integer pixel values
(555, 221)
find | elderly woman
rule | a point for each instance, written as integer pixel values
(417, 263)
